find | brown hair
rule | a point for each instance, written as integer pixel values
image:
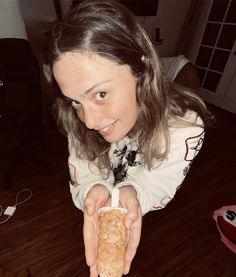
(107, 28)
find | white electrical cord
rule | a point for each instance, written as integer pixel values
(10, 210)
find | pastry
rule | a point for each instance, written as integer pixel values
(111, 243)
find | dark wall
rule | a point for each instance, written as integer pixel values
(139, 8)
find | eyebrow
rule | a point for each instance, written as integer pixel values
(87, 91)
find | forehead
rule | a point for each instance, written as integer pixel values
(84, 69)
(83, 63)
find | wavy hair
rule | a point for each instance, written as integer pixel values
(107, 28)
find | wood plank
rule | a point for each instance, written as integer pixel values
(45, 233)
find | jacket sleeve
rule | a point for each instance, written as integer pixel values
(157, 187)
(83, 176)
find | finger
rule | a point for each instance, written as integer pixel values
(133, 242)
(131, 248)
(108, 202)
(89, 206)
(93, 271)
(132, 215)
(89, 232)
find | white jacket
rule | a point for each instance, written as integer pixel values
(156, 187)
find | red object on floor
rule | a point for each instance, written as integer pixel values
(225, 218)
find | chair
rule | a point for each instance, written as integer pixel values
(181, 71)
(21, 116)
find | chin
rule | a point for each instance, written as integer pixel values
(113, 139)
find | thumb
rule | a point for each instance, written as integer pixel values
(89, 207)
(132, 215)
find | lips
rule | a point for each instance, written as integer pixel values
(107, 130)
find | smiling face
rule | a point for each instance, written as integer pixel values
(102, 92)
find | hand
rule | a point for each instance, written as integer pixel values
(133, 222)
(96, 199)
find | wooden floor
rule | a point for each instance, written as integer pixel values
(45, 233)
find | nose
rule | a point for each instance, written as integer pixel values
(91, 117)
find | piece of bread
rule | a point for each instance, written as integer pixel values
(111, 243)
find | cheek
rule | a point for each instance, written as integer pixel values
(127, 110)
(117, 111)
(127, 104)
(131, 106)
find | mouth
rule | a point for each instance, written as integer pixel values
(107, 130)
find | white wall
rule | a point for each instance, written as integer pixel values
(38, 17)
(170, 19)
(39, 14)
(11, 22)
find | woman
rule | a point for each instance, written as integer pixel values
(128, 127)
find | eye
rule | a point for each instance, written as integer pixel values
(101, 95)
(71, 102)
(75, 103)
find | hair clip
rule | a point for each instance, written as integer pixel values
(142, 58)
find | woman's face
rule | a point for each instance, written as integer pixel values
(102, 92)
